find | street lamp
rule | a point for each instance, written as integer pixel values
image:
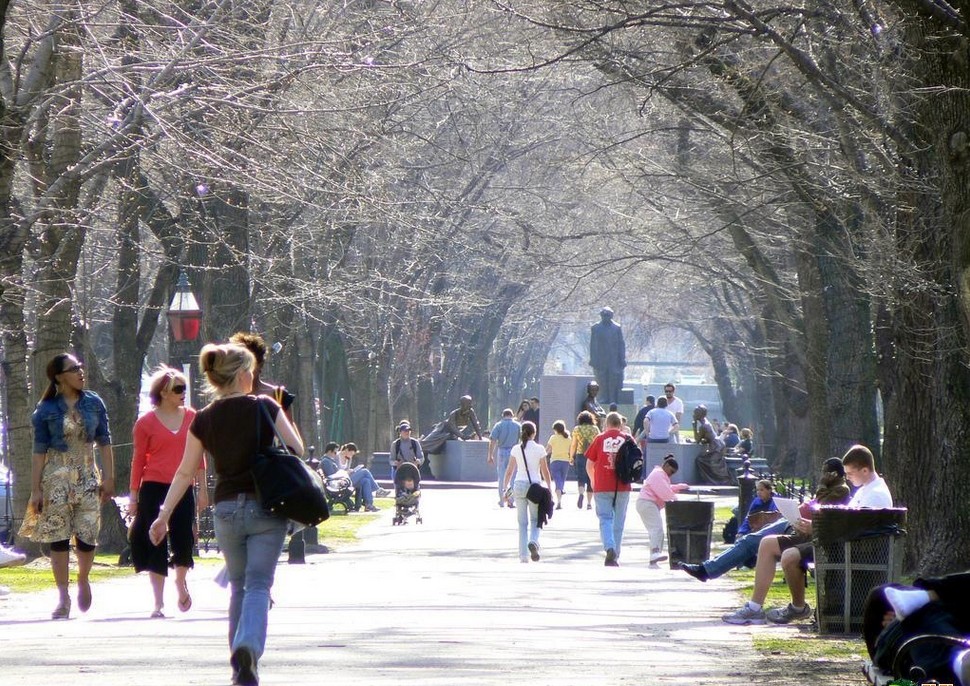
(184, 322)
(184, 315)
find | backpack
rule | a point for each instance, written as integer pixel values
(629, 462)
(397, 448)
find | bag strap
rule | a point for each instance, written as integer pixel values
(525, 461)
(269, 418)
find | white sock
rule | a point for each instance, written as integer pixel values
(906, 601)
(754, 606)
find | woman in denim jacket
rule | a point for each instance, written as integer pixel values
(66, 486)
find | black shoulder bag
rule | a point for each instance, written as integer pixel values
(285, 484)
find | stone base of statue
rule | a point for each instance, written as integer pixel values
(463, 461)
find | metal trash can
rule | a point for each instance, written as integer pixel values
(855, 551)
(689, 524)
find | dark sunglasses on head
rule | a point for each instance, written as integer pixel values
(178, 388)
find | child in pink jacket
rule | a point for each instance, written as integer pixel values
(656, 492)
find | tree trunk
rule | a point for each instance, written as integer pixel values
(927, 451)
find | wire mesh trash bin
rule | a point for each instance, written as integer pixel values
(855, 551)
(689, 524)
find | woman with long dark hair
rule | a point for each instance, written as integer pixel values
(249, 537)
(67, 488)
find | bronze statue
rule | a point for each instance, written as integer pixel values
(607, 356)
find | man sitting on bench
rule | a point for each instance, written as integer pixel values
(796, 550)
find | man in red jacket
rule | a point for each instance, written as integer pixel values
(611, 496)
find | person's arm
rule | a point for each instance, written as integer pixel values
(545, 474)
(418, 452)
(191, 459)
(289, 434)
(573, 445)
(202, 501)
(492, 444)
(36, 472)
(509, 473)
(139, 461)
(590, 464)
(107, 489)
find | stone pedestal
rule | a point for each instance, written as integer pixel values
(684, 453)
(560, 398)
(463, 461)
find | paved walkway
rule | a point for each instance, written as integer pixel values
(444, 602)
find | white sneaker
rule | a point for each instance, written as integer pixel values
(11, 558)
(745, 615)
(657, 557)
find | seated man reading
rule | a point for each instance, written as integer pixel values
(796, 550)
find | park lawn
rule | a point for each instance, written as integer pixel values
(36, 576)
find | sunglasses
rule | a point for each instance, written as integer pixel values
(76, 368)
(178, 388)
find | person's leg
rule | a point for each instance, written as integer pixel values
(619, 518)
(60, 557)
(764, 572)
(604, 513)
(501, 464)
(227, 522)
(158, 590)
(582, 478)
(791, 565)
(360, 481)
(85, 561)
(181, 541)
(533, 529)
(743, 549)
(262, 540)
(519, 489)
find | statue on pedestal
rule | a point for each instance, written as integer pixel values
(607, 356)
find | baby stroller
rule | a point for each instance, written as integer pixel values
(407, 493)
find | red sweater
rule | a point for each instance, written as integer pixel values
(158, 451)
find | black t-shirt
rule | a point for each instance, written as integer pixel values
(227, 430)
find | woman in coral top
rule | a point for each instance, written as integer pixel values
(159, 444)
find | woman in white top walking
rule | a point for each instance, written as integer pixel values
(527, 465)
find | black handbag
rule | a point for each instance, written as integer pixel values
(285, 484)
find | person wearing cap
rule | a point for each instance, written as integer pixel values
(831, 488)
(404, 448)
(607, 355)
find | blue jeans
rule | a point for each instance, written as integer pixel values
(743, 550)
(527, 514)
(502, 456)
(250, 540)
(559, 469)
(363, 480)
(582, 478)
(612, 518)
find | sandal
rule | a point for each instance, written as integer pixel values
(185, 600)
(158, 614)
(63, 610)
(83, 596)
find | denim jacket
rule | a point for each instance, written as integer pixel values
(48, 420)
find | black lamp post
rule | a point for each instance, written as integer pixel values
(184, 324)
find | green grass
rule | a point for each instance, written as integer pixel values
(808, 646)
(336, 532)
